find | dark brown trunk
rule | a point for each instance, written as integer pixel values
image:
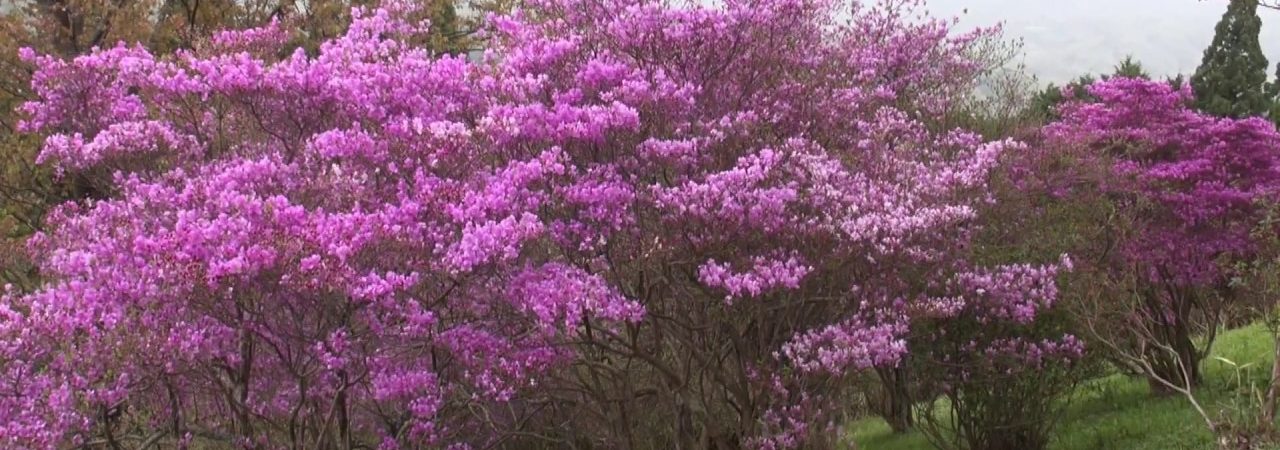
(895, 399)
(1173, 356)
(1178, 364)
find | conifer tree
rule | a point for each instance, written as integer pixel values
(1232, 78)
(1129, 68)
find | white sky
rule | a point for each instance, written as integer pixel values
(1066, 38)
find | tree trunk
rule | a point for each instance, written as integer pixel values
(895, 399)
(1179, 363)
(1172, 354)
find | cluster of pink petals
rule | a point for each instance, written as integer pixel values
(1019, 354)
(1199, 178)
(853, 345)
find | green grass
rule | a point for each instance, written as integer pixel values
(1118, 412)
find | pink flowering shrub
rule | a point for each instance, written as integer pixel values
(1188, 189)
(993, 346)
(629, 225)
(1002, 393)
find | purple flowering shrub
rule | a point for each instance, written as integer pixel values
(1185, 191)
(629, 225)
(1000, 363)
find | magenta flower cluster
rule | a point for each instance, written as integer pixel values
(1197, 179)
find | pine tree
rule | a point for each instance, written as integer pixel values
(1232, 79)
(1129, 68)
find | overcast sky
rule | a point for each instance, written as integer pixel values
(1065, 38)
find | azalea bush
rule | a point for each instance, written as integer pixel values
(1000, 376)
(629, 224)
(1184, 191)
(1008, 394)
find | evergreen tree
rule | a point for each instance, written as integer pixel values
(1130, 68)
(1232, 79)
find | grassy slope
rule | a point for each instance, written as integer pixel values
(1117, 412)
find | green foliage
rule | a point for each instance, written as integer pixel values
(1232, 78)
(1130, 68)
